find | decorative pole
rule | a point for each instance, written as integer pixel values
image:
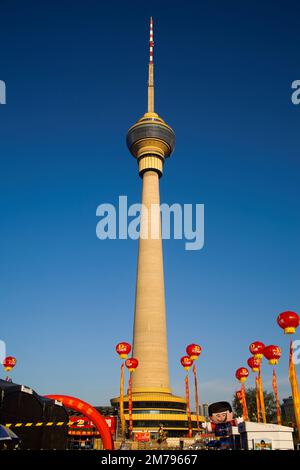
(131, 365)
(273, 354)
(130, 406)
(196, 396)
(257, 349)
(257, 399)
(122, 417)
(188, 406)
(254, 364)
(289, 321)
(241, 374)
(187, 362)
(194, 351)
(245, 409)
(261, 397)
(123, 349)
(275, 389)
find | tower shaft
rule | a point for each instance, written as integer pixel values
(150, 335)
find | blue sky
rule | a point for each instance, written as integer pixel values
(76, 76)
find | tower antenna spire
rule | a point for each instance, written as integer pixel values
(151, 71)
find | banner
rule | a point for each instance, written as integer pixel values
(295, 388)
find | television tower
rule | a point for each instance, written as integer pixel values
(150, 140)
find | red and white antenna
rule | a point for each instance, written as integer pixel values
(151, 72)
(151, 42)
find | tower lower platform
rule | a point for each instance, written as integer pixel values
(153, 409)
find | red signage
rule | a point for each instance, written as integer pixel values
(80, 425)
(79, 422)
(142, 436)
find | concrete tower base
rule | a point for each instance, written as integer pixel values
(151, 409)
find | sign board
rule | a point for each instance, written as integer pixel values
(142, 436)
(262, 444)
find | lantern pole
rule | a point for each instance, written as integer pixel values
(244, 401)
(254, 363)
(123, 349)
(122, 417)
(275, 390)
(273, 353)
(188, 406)
(261, 398)
(196, 396)
(257, 399)
(130, 405)
(241, 374)
(289, 322)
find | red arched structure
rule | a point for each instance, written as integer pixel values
(89, 412)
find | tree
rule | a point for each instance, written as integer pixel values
(270, 405)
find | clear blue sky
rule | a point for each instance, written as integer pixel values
(76, 75)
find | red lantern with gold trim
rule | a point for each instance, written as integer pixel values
(123, 349)
(273, 354)
(193, 351)
(242, 374)
(186, 362)
(254, 363)
(9, 363)
(131, 364)
(288, 321)
(257, 349)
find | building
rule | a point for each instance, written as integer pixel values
(151, 141)
(204, 410)
(287, 410)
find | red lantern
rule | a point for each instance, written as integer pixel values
(131, 364)
(257, 349)
(254, 364)
(186, 362)
(273, 354)
(123, 349)
(288, 321)
(239, 395)
(193, 351)
(242, 374)
(9, 363)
